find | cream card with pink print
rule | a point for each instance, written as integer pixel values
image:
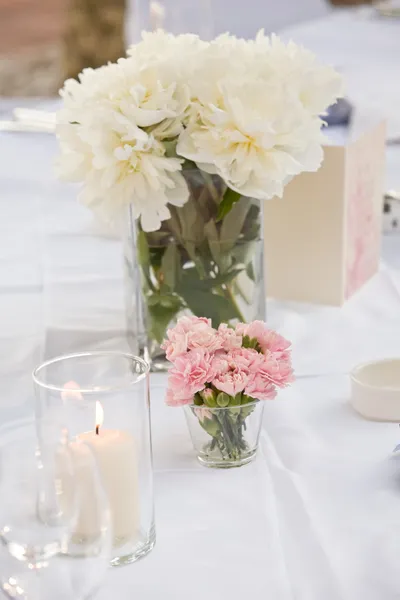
(322, 240)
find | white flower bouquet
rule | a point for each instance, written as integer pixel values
(185, 133)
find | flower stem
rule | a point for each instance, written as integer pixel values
(230, 296)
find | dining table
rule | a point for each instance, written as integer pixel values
(317, 515)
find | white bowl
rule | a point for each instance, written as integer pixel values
(375, 390)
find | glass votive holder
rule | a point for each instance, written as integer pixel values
(102, 398)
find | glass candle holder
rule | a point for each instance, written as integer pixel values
(103, 400)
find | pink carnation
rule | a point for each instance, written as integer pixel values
(189, 333)
(229, 338)
(260, 388)
(246, 358)
(268, 375)
(233, 370)
(177, 398)
(189, 375)
(269, 340)
(232, 382)
(279, 371)
(220, 363)
(177, 342)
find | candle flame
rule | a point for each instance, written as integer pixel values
(71, 391)
(99, 416)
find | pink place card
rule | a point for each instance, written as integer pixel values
(322, 239)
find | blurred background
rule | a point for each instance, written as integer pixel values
(44, 41)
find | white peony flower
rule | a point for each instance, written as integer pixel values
(248, 111)
(108, 132)
(180, 51)
(317, 85)
(251, 121)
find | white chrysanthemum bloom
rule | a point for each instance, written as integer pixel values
(110, 132)
(250, 123)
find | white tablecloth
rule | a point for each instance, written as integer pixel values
(317, 516)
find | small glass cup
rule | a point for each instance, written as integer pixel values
(103, 400)
(225, 437)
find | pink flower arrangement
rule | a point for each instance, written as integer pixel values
(225, 366)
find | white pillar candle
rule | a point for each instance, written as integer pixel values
(116, 457)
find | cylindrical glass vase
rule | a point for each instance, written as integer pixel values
(195, 264)
(103, 400)
(225, 437)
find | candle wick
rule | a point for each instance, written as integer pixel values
(97, 429)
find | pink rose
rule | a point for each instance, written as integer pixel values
(229, 338)
(269, 340)
(189, 375)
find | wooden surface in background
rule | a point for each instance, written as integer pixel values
(44, 41)
(28, 23)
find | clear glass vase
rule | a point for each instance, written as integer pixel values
(194, 264)
(102, 398)
(225, 437)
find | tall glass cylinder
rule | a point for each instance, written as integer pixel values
(103, 400)
(195, 264)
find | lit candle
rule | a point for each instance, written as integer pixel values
(115, 453)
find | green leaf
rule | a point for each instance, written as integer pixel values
(229, 199)
(161, 315)
(144, 258)
(243, 252)
(199, 270)
(143, 249)
(210, 186)
(206, 304)
(232, 224)
(170, 266)
(157, 238)
(224, 278)
(170, 147)
(174, 224)
(190, 279)
(250, 272)
(192, 222)
(252, 225)
(211, 426)
(188, 165)
(211, 232)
